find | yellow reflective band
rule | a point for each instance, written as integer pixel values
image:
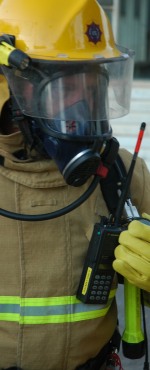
(50, 301)
(9, 300)
(50, 310)
(54, 319)
(9, 317)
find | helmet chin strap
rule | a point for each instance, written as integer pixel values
(32, 139)
(12, 120)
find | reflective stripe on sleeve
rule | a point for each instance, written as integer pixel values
(50, 310)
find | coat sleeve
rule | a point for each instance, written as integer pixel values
(4, 93)
(146, 299)
(140, 184)
(140, 191)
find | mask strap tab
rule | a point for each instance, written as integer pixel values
(108, 157)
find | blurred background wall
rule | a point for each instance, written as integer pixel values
(131, 26)
(130, 21)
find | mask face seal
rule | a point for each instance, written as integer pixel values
(75, 136)
(76, 156)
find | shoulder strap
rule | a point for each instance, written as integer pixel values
(113, 183)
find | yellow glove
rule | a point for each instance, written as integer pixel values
(133, 254)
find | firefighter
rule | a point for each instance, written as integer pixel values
(66, 79)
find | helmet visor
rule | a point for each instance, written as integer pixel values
(74, 99)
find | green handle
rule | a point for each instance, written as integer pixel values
(133, 338)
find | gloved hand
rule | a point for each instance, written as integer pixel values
(133, 254)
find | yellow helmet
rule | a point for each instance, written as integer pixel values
(59, 30)
(62, 34)
(67, 77)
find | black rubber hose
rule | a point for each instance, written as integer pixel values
(55, 214)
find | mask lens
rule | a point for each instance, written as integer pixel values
(58, 95)
(72, 104)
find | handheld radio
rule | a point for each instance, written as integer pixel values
(97, 275)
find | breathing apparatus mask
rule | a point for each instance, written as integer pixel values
(68, 110)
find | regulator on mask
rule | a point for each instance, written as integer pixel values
(76, 161)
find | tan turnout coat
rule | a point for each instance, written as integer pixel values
(42, 325)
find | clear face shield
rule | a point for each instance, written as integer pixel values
(72, 104)
(87, 94)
